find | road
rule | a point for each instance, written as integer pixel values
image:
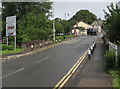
(46, 68)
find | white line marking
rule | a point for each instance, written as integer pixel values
(60, 51)
(68, 46)
(3, 61)
(81, 66)
(9, 59)
(43, 59)
(12, 73)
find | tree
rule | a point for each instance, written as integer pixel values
(59, 28)
(66, 26)
(82, 15)
(85, 16)
(112, 22)
(32, 19)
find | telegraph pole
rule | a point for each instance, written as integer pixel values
(53, 30)
(53, 25)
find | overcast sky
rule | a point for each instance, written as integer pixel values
(60, 8)
(71, 7)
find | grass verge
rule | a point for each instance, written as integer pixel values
(12, 51)
(115, 73)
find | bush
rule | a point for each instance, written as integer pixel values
(63, 37)
(110, 59)
(60, 37)
(7, 47)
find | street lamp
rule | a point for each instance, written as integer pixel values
(66, 14)
(119, 4)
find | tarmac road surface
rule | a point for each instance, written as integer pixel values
(46, 68)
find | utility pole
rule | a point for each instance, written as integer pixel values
(53, 25)
(53, 30)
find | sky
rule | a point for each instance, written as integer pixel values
(96, 7)
(60, 8)
(72, 6)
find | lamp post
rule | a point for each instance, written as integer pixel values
(119, 4)
(66, 14)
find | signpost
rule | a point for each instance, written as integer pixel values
(11, 28)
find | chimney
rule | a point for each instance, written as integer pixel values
(76, 23)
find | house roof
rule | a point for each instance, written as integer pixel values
(82, 24)
(97, 22)
(94, 23)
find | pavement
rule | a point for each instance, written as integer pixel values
(91, 73)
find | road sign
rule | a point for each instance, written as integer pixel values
(11, 19)
(11, 26)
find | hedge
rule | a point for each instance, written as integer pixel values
(7, 47)
(110, 59)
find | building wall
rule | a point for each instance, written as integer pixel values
(98, 28)
(78, 32)
(81, 24)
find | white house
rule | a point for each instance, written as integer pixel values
(80, 24)
(97, 25)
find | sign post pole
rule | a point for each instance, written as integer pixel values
(15, 42)
(11, 28)
(116, 56)
(7, 40)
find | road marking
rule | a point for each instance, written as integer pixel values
(12, 73)
(3, 61)
(62, 82)
(68, 46)
(39, 50)
(60, 51)
(81, 66)
(71, 41)
(43, 59)
(30, 53)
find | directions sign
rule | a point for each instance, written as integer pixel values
(11, 26)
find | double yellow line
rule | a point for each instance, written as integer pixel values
(62, 82)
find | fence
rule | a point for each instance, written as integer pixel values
(35, 44)
(114, 47)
